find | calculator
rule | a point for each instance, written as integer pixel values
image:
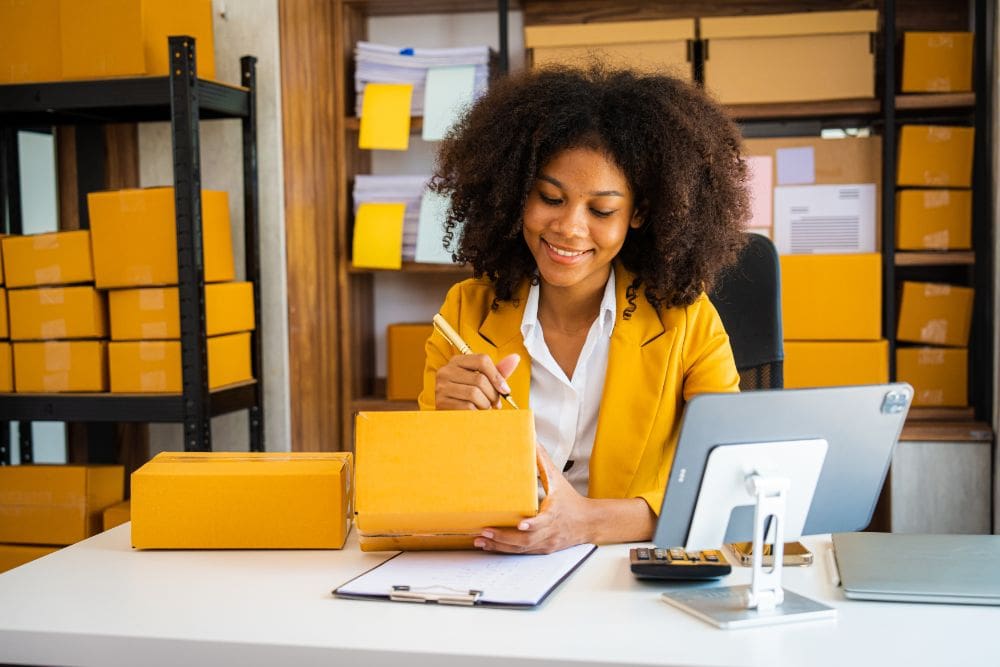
(676, 563)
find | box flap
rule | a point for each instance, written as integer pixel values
(784, 25)
(595, 34)
(224, 463)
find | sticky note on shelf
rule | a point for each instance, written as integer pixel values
(796, 166)
(378, 236)
(448, 92)
(430, 232)
(760, 168)
(385, 116)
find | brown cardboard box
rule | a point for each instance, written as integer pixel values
(154, 366)
(935, 156)
(61, 366)
(56, 258)
(15, 555)
(56, 504)
(4, 326)
(940, 376)
(48, 313)
(835, 363)
(153, 313)
(117, 514)
(405, 361)
(933, 219)
(29, 41)
(2, 237)
(790, 57)
(831, 297)
(6, 368)
(937, 62)
(935, 313)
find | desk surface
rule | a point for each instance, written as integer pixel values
(101, 603)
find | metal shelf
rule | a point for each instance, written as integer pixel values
(935, 258)
(416, 267)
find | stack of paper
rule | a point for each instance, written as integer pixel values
(406, 190)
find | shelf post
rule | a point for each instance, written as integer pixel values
(502, 12)
(889, 180)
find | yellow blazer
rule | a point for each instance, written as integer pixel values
(656, 361)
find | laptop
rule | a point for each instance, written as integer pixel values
(948, 569)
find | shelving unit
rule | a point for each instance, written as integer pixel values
(184, 100)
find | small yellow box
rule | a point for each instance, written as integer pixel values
(2, 237)
(154, 366)
(61, 366)
(937, 62)
(831, 297)
(29, 41)
(935, 313)
(117, 514)
(15, 555)
(6, 369)
(4, 327)
(153, 313)
(940, 376)
(934, 219)
(48, 313)
(835, 363)
(935, 156)
(56, 504)
(255, 500)
(135, 237)
(56, 258)
(405, 361)
(435, 479)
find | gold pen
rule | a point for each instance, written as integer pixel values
(446, 330)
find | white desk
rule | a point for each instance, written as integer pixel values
(100, 603)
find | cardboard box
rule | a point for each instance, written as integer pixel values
(940, 376)
(57, 258)
(254, 500)
(935, 313)
(935, 156)
(934, 219)
(4, 326)
(835, 363)
(61, 366)
(16, 555)
(820, 56)
(117, 514)
(405, 360)
(135, 237)
(48, 313)
(153, 313)
(151, 367)
(937, 62)
(56, 504)
(29, 41)
(651, 46)
(435, 479)
(2, 237)
(831, 297)
(6, 368)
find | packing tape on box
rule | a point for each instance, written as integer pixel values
(930, 397)
(938, 134)
(151, 299)
(51, 297)
(936, 198)
(140, 275)
(45, 242)
(935, 331)
(937, 240)
(929, 357)
(155, 352)
(132, 203)
(935, 177)
(154, 330)
(54, 329)
(936, 289)
(48, 274)
(57, 357)
(941, 41)
(55, 381)
(150, 381)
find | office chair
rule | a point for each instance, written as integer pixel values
(748, 298)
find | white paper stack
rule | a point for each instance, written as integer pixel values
(392, 189)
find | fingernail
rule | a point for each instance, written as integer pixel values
(505, 388)
(488, 534)
(524, 525)
(478, 543)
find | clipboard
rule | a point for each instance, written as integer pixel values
(466, 578)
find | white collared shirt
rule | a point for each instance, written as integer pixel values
(566, 410)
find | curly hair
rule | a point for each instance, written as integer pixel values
(678, 150)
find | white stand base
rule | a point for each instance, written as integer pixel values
(726, 607)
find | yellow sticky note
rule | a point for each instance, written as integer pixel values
(385, 116)
(378, 236)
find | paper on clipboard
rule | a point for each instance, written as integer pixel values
(824, 219)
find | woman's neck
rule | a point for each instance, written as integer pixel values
(570, 310)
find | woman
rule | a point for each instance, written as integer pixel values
(595, 207)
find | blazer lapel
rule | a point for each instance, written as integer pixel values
(502, 330)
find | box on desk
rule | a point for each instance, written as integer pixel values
(253, 500)
(940, 376)
(933, 219)
(405, 361)
(16, 555)
(935, 156)
(6, 368)
(153, 313)
(435, 479)
(937, 62)
(56, 258)
(29, 41)
(56, 504)
(154, 366)
(48, 313)
(835, 363)
(61, 366)
(831, 297)
(117, 514)
(935, 313)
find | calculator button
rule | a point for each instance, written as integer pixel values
(693, 555)
(642, 554)
(711, 557)
(677, 554)
(659, 554)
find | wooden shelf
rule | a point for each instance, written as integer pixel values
(353, 124)
(380, 404)
(936, 258)
(946, 431)
(941, 414)
(403, 7)
(934, 101)
(822, 109)
(417, 267)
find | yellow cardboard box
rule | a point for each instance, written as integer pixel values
(6, 368)
(135, 237)
(653, 46)
(935, 156)
(15, 555)
(153, 313)
(835, 363)
(29, 41)
(934, 219)
(821, 56)
(56, 504)
(117, 514)
(405, 361)
(937, 62)
(154, 366)
(831, 297)
(48, 313)
(4, 327)
(61, 366)
(434, 480)
(935, 313)
(56, 258)
(255, 500)
(2, 237)
(940, 376)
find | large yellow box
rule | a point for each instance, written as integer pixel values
(255, 500)
(652, 46)
(405, 361)
(937, 62)
(935, 156)
(935, 313)
(154, 366)
(2, 237)
(831, 297)
(56, 504)
(4, 327)
(153, 313)
(61, 366)
(117, 514)
(15, 555)
(940, 376)
(135, 237)
(56, 258)
(29, 41)
(435, 479)
(835, 363)
(820, 56)
(6, 368)
(934, 219)
(48, 313)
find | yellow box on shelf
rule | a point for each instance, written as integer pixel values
(29, 41)
(405, 360)
(4, 326)
(49, 313)
(154, 366)
(937, 62)
(831, 297)
(435, 479)
(61, 366)
(56, 504)
(153, 313)
(56, 258)
(16, 555)
(135, 237)
(934, 219)
(935, 156)
(117, 514)
(6, 368)
(935, 313)
(940, 376)
(835, 363)
(254, 500)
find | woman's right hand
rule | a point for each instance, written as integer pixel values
(473, 382)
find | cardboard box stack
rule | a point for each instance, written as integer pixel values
(937, 62)
(405, 360)
(6, 360)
